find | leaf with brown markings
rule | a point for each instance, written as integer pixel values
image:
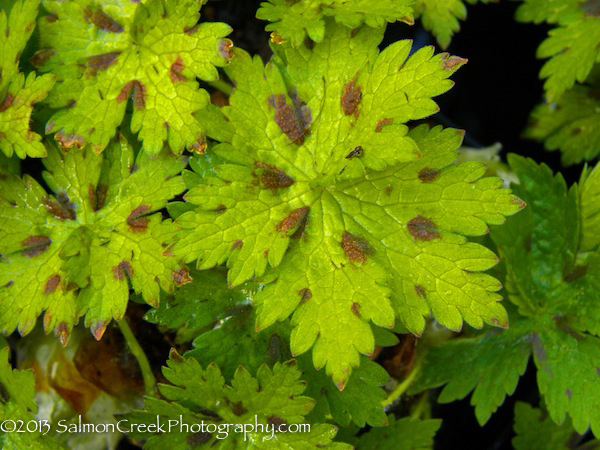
(19, 94)
(323, 190)
(78, 249)
(153, 60)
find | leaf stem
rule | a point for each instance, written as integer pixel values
(402, 387)
(222, 86)
(138, 352)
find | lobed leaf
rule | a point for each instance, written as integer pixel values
(327, 194)
(104, 53)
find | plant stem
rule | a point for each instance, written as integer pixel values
(222, 86)
(138, 352)
(402, 387)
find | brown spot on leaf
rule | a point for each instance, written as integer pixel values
(175, 356)
(198, 439)
(11, 283)
(125, 92)
(139, 95)
(199, 147)
(238, 409)
(101, 192)
(103, 21)
(420, 290)
(423, 229)
(356, 309)
(305, 295)
(569, 394)
(237, 244)
(7, 102)
(356, 248)
(220, 209)
(358, 152)
(226, 48)
(182, 277)
(272, 178)
(62, 208)
(52, 284)
(452, 62)
(351, 98)
(136, 222)
(123, 270)
(576, 131)
(101, 62)
(98, 330)
(277, 422)
(293, 120)
(293, 220)
(176, 71)
(68, 141)
(63, 333)
(169, 251)
(591, 8)
(428, 175)
(35, 245)
(191, 30)
(575, 274)
(382, 123)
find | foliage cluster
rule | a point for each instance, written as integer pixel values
(316, 219)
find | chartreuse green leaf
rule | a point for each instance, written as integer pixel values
(18, 93)
(556, 289)
(106, 52)
(535, 429)
(572, 124)
(76, 252)
(402, 434)
(573, 47)
(296, 20)
(242, 413)
(441, 17)
(17, 403)
(361, 220)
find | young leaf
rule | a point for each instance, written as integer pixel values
(294, 21)
(73, 253)
(557, 294)
(361, 219)
(253, 407)
(572, 125)
(18, 94)
(17, 403)
(573, 47)
(536, 430)
(105, 52)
